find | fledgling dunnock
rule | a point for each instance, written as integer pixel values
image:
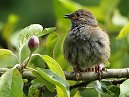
(86, 44)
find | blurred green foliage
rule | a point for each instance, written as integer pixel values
(112, 15)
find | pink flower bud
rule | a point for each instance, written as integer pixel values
(33, 43)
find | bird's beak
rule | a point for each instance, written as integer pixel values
(67, 16)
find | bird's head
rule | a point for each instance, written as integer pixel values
(81, 16)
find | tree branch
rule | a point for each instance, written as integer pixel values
(87, 77)
(92, 76)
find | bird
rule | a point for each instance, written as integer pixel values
(86, 46)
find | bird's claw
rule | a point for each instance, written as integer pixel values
(78, 72)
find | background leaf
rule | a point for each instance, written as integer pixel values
(123, 7)
(58, 53)
(11, 84)
(5, 52)
(124, 31)
(50, 43)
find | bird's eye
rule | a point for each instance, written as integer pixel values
(74, 17)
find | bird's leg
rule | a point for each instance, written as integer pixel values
(98, 69)
(90, 69)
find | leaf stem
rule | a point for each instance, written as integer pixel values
(19, 56)
(25, 63)
(16, 57)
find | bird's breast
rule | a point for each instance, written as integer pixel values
(86, 47)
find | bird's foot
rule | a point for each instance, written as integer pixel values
(90, 69)
(99, 70)
(78, 72)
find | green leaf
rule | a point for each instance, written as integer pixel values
(47, 30)
(40, 79)
(51, 41)
(101, 87)
(10, 26)
(58, 52)
(27, 32)
(106, 87)
(33, 90)
(74, 92)
(34, 29)
(77, 94)
(123, 8)
(62, 85)
(115, 90)
(5, 52)
(124, 31)
(124, 89)
(11, 84)
(53, 65)
(24, 95)
(65, 6)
